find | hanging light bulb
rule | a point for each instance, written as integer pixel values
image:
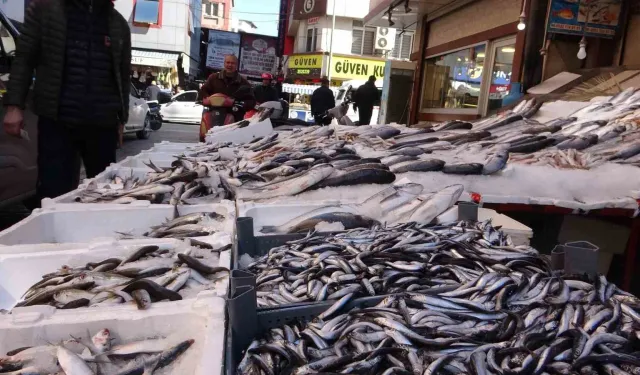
(521, 24)
(582, 52)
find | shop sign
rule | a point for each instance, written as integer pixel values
(569, 17)
(498, 91)
(150, 61)
(313, 20)
(258, 55)
(305, 9)
(356, 68)
(221, 44)
(303, 71)
(305, 61)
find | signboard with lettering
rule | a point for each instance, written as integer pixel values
(305, 9)
(569, 17)
(313, 20)
(356, 68)
(221, 43)
(305, 61)
(258, 55)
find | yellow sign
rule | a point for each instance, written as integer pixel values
(305, 62)
(303, 71)
(356, 68)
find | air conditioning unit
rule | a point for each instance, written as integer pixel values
(385, 38)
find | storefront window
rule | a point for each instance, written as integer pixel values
(501, 75)
(454, 80)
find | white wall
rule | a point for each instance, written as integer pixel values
(349, 8)
(170, 37)
(341, 38)
(173, 35)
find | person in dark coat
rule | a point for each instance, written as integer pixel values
(322, 100)
(152, 91)
(228, 82)
(80, 51)
(365, 97)
(266, 92)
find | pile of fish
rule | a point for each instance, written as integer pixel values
(494, 323)
(399, 203)
(190, 180)
(148, 274)
(603, 131)
(407, 257)
(195, 224)
(94, 355)
(564, 159)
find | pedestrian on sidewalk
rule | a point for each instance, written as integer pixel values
(80, 51)
(365, 97)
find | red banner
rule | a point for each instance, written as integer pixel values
(258, 55)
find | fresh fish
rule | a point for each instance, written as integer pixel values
(496, 162)
(357, 177)
(348, 221)
(467, 168)
(428, 165)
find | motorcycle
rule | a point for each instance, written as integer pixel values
(220, 110)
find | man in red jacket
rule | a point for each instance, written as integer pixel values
(227, 82)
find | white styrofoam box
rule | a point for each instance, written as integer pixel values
(160, 160)
(165, 146)
(19, 271)
(239, 135)
(202, 320)
(102, 179)
(61, 224)
(278, 214)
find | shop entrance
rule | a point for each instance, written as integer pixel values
(500, 62)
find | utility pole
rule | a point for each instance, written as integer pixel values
(333, 28)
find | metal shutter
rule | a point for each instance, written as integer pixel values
(369, 41)
(356, 42)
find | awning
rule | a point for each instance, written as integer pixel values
(303, 89)
(153, 58)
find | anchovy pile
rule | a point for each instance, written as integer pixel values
(93, 355)
(496, 323)
(409, 257)
(149, 274)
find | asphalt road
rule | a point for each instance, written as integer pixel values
(168, 132)
(131, 146)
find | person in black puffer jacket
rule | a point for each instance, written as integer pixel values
(81, 53)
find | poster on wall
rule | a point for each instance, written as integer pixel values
(569, 17)
(258, 55)
(221, 43)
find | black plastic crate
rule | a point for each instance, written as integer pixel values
(257, 246)
(246, 322)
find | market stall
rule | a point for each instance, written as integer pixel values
(341, 250)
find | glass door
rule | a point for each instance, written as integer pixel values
(500, 64)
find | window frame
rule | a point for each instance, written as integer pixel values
(210, 16)
(399, 48)
(472, 111)
(364, 30)
(149, 25)
(315, 32)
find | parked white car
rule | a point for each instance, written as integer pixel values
(182, 108)
(139, 115)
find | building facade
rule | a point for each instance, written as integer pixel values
(165, 39)
(355, 53)
(216, 14)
